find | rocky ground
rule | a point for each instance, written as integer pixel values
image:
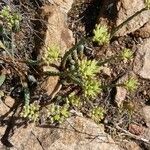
(65, 22)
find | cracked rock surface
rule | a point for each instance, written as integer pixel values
(125, 9)
(142, 61)
(77, 133)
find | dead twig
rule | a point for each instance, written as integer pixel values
(129, 134)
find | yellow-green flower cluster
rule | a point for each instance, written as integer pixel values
(131, 84)
(147, 2)
(97, 114)
(74, 100)
(91, 88)
(87, 69)
(12, 19)
(57, 113)
(51, 54)
(126, 54)
(31, 112)
(101, 35)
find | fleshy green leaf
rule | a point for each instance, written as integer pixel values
(2, 79)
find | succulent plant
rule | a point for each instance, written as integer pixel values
(86, 71)
(147, 2)
(101, 34)
(131, 84)
(74, 100)
(51, 54)
(126, 54)
(88, 68)
(97, 113)
(57, 113)
(91, 88)
(31, 112)
(12, 18)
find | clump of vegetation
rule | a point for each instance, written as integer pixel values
(101, 34)
(51, 54)
(57, 113)
(126, 54)
(147, 2)
(88, 68)
(77, 70)
(74, 100)
(12, 19)
(91, 88)
(31, 112)
(131, 84)
(83, 74)
(97, 113)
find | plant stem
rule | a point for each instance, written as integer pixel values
(64, 60)
(111, 86)
(52, 73)
(126, 21)
(26, 93)
(65, 74)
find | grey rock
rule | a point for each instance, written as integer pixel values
(126, 8)
(144, 31)
(130, 145)
(2, 131)
(146, 115)
(65, 5)
(146, 136)
(106, 71)
(121, 91)
(142, 60)
(57, 33)
(77, 133)
(3, 108)
(120, 95)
